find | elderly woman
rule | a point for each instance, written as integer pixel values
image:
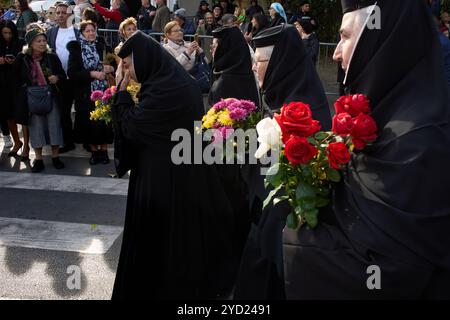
(184, 52)
(89, 74)
(38, 66)
(277, 14)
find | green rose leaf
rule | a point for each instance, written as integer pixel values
(275, 175)
(304, 191)
(312, 218)
(333, 175)
(322, 202)
(321, 136)
(292, 221)
(308, 204)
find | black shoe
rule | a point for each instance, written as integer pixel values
(94, 158)
(38, 166)
(104, 157)
(57, 163)
(67, 148)
(13, 153)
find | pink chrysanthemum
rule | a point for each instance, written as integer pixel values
(96, 95)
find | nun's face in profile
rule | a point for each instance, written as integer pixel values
(262, 58)
(350, 29)
(272, 12)
(128, 65)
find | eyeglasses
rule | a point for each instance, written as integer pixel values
(178, 30)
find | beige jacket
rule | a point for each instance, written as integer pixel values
(179, 53)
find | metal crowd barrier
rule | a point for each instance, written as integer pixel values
(326, 67)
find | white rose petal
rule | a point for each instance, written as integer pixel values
(269, 136)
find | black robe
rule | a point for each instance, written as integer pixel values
(234, 78)
(392, 210)
(290, 76)
(175, 242)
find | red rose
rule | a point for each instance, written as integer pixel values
(338, 154)
(364, 131)
(342, 124)
(299, 151)
(353, 105)
(296, 119)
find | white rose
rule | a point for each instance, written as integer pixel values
(269, 136)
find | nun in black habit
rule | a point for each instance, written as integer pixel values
(392, 210)
(233, 78)
(290, 76)
(178, 218)
(232, 69)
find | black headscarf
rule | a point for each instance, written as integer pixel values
(169, 97)
(395, 200)
(232, 73)
(291, 75)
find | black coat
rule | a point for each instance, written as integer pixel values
(177, 215)
(391, 209)
(23, 79)
(86, 131)
(7, 79)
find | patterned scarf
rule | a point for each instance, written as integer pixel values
(37, 76)
(91, 62)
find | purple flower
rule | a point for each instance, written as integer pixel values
(96, 95)
(220, 105)
(226, 131)
(106, 97)
(222, 133)
(238, 114)
(248, 105)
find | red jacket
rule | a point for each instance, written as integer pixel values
(110, 14)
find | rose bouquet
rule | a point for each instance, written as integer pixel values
(312, 160)
(104, 100)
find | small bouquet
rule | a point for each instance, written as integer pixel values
(104, 100)
(312, 160)
(229, 115)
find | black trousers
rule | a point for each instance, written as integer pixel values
(66, 109)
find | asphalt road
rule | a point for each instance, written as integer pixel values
(60, 230)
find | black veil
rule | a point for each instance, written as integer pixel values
(169, 96)
(397, 190)
(291, 75)
(232, 70)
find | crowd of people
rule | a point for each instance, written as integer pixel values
(205, 227)
(71, 43)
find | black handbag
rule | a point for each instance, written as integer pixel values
(202, 73)
(40, 101)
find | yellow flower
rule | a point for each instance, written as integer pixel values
(224, 118)
(209, 119)
(97, 103)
